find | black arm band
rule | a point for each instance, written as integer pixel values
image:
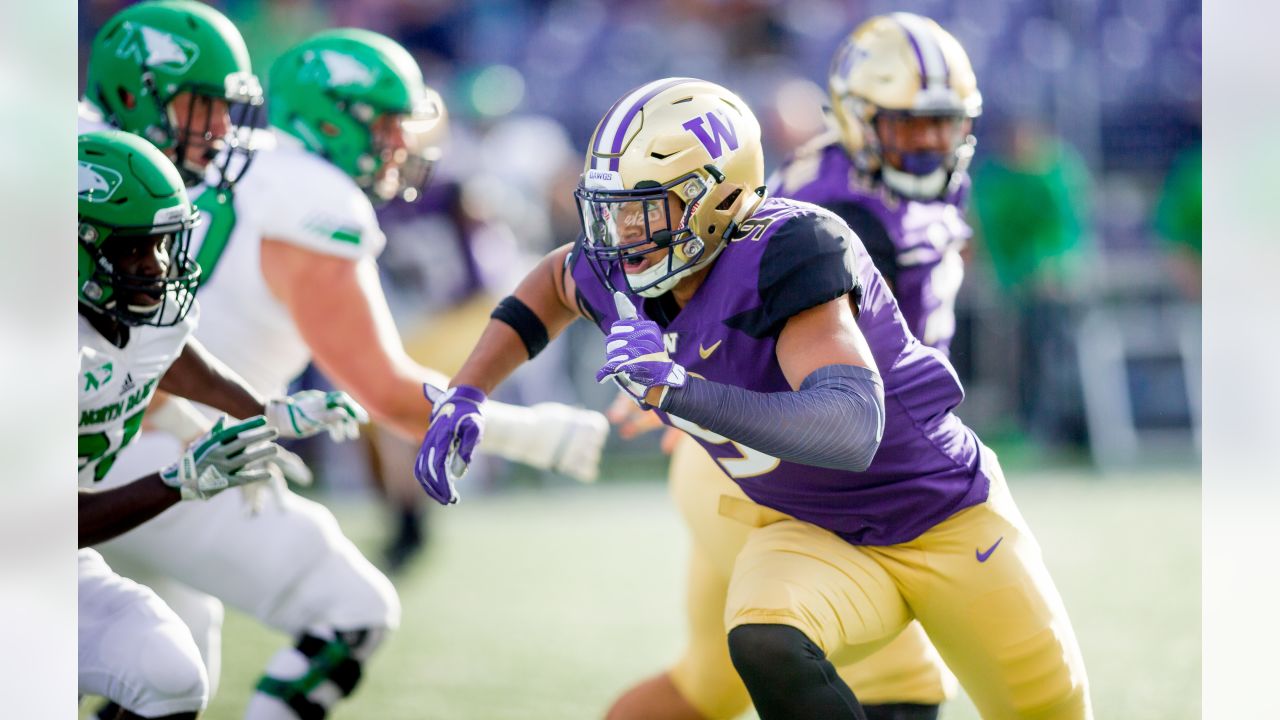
(524, 321)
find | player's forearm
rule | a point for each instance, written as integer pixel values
(835, 419)
(104, 514)
(198, 376)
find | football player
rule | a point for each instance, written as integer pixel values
(904, 97)
(758, 326)
(136, 285)
(289, 278)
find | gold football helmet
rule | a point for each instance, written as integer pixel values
(904, 97)
(675, 166)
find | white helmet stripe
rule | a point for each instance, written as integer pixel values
(614, 126)
(933, 65)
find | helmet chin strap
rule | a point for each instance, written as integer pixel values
(915, 187)
(648, 275)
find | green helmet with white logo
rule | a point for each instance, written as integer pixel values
(130, 193)
(331, 91)
(150, 52)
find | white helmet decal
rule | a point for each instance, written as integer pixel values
(97, 183)
(344, 70)
(157, 48)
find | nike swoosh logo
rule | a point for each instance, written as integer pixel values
(706, 352)
(982, 556)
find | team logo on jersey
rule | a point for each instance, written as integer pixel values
(99, 376)
(669, 342)
(157, 48)
(714, 130)
(97, 183)
(334, 69)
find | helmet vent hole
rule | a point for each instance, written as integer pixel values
(682, 100)
(191, 23)
(660, 156)
(728, 202)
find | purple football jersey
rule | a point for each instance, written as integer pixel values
(791, 256)
(916, 245)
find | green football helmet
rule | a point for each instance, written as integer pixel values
(130, 193)
(343, 92)
(147, 54)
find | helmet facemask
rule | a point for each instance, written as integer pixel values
(404, 152)
(113, 291)
(691, 218)
(205, 147)
(920, 152)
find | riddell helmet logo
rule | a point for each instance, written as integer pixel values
(97, 183)
(714, 130)
(157, 48)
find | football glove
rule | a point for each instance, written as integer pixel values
(637, 359)
(224, 457)
(457, 424)
(547, 436)
(310, 412)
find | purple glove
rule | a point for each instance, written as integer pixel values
(455, 430)
(637, 360)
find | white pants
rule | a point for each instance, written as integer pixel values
(289, 565)
(133, 649)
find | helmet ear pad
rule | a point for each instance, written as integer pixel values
(718, 214)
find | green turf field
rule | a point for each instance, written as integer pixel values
(547, 604)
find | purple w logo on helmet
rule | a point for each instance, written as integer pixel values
(721, 133)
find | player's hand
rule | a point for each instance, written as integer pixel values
(633, 421)
(572, 440)
(224, 457)
(287, 466)
(630, 419)
(456, 426)
(310, 412)
(637, 360)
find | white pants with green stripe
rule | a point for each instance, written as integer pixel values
(289, 565)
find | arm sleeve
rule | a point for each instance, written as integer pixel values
(835, 420)
(808, 261)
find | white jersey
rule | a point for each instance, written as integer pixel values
(290, 195)
(115, 386)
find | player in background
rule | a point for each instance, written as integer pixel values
(290, 278)
(757, 325)
(903, 96)
(136, 286)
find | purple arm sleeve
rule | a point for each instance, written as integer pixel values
(835, 420)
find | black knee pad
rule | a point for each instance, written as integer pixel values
(337, 660)
(901, 711)
(789, 676)
(767, 650)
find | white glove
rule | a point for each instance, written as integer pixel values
(223, 457)
(310, 412)
(286, 468)
(547, 436)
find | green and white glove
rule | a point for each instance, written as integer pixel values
(310, 412)
(224, 457)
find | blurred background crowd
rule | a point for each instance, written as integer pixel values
(1078, 333)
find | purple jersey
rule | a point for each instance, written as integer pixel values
(916, 245)
(791, 256)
